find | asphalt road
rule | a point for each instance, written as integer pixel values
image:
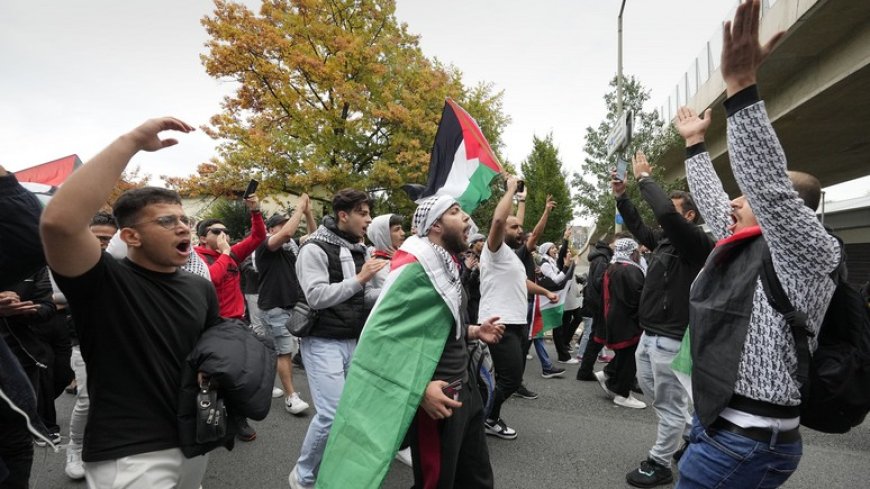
(570, 437)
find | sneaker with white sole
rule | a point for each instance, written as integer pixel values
(293, 479)
(294, 404)
(602, 381)
(404, 456)
(629, 402)
(525, 393)
(74, 468)
(570, 361)
(500, 429)
(650, 474)
(277, 392)
(54, 437)
(553, 372)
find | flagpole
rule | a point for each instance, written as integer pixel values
(616, 226)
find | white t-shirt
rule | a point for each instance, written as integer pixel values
(502, 286)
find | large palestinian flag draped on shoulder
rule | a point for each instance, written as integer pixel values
(394, 361)
(462, 163)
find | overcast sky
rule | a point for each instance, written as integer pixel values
(77, 74)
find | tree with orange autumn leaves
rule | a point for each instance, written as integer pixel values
(330, 94)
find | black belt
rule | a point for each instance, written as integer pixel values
(762, 435)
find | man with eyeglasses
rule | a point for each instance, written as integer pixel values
(224, 261)
(137, 319)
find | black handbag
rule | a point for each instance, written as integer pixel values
(211, 414)
(302, 320)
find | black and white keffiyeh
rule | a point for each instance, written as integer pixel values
(624, 249)
(429, 211)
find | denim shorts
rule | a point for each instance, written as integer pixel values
(274, 321)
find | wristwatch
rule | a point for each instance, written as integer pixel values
(643, 175)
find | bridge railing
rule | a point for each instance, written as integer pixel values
(701, 69)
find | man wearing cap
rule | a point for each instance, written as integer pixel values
(440, 404)
(275, 261)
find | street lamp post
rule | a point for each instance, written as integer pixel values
(616, 225)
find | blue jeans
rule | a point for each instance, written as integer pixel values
(326, 364)
(728, 460)
(658, 382)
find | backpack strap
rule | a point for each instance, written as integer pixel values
(796, 319)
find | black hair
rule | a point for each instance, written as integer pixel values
(622, 235)
(688, 203)
(130, 203)
(104, 219)
(397, 220)
(202, 227)
(808, 188)
(348, 200)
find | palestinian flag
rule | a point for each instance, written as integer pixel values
(462, 163)
(393, 363)
(547, 315)
(43, 180)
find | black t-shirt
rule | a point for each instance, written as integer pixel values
(135, 327)
(453, 363)
(529, 263)
(278, 284)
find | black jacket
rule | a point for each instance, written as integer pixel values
(593, 294)
(20, 332)
(241, 365)
(679, 250)
(623, 284)
(20, 247)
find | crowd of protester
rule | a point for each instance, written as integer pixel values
(117, 308)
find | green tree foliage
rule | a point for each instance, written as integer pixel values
(592, 187)
(543, 174)
(234, 215)
(330, 94)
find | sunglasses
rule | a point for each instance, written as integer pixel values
(217, 231)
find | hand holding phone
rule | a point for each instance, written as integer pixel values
(621, 168)
(251, 190)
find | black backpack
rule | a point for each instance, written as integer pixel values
(835, 379)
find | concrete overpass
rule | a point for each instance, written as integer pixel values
(816, 85)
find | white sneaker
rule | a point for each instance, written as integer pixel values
(404, 456)
(629, 402)
(293, 479)
(276, 392)
(570, 361)
(602, 380)
(74, 469)
(294, 404)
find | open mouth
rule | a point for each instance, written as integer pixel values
(733, 224)
(183, 247)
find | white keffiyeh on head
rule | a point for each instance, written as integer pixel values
(624, 249)
(429, 210)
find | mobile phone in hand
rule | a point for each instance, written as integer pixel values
(452, 389)
(521, 186)
(621, 168)
(251, 190)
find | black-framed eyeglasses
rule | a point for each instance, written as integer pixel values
(168, 222)
(217, 231)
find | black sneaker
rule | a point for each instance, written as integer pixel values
(649, 474)
(54, 437)
(245, 432)
(500, 429)
(553, 372)
(525, 393)
(585, 376)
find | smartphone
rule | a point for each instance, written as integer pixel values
(521, 185)
(252, 189)
(452, 389)
(621, 168)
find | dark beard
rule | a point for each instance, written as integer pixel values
(512, 242)
(454, 243)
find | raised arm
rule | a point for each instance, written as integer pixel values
(532, 239)
(521, 204)
(289, 229)
(310, 222)
(712, 201)
(245, 247)
(70, 248)
(630, 214)
(799, 245)
(499, 217)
